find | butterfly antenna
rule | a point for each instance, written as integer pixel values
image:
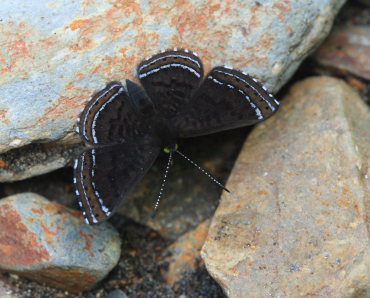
(202, 170)
(163, 183)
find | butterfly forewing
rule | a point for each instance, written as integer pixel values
(105, 176)
(109, 117)
(227, 99)
(170, 78)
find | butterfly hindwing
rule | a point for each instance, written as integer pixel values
(105, 176)
(110, 118)
(170, 78)
(226, 99)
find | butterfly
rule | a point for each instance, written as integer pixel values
(126, 127)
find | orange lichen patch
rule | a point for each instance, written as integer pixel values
(64, 104)
(53, 207)
(18, 245)
(117, 29)
(80, 24)
(38, 210)
(357, 84)
(129, 4)
(97, 69)
(82, 45)
(3, 163)
(193, 18)
(266, 41)
(321, 220)
(48, 43)
(15, 49)
(345, 191)
(19, 47)
(87, 242)
(49, 234)
(114, 13)
(282, 9)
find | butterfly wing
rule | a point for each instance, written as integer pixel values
(104, 177)
(170, 78)
(226, 99)
(110, 118)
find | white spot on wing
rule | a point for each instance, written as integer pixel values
(87, 112)
(167, 66)
(169, 56)
(250, 85)
(101, 109)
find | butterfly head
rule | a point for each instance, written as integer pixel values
(171, 148)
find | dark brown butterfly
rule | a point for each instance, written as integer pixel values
(125, 127)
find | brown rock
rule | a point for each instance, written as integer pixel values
(347, 51)
(296, 223)
(185, 254)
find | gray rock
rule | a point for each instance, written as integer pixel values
(296, 224)
(49, 243)
(57, 56)
(117, 294)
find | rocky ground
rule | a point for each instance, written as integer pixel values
(296, 221)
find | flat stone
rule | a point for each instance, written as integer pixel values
(296, 223)
(55, 56)
(346, 51)
(49, 243)
(34, 160)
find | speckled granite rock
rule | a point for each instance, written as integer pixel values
(46, 242)
(56, 55)
(296, 224)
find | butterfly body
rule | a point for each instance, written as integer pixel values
(127, 126)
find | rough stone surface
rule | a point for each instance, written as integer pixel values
(296, 222)
(48, 243)
(347, 51)
(55, 55)
(185, 254)
(6, 289)
(34, 160)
